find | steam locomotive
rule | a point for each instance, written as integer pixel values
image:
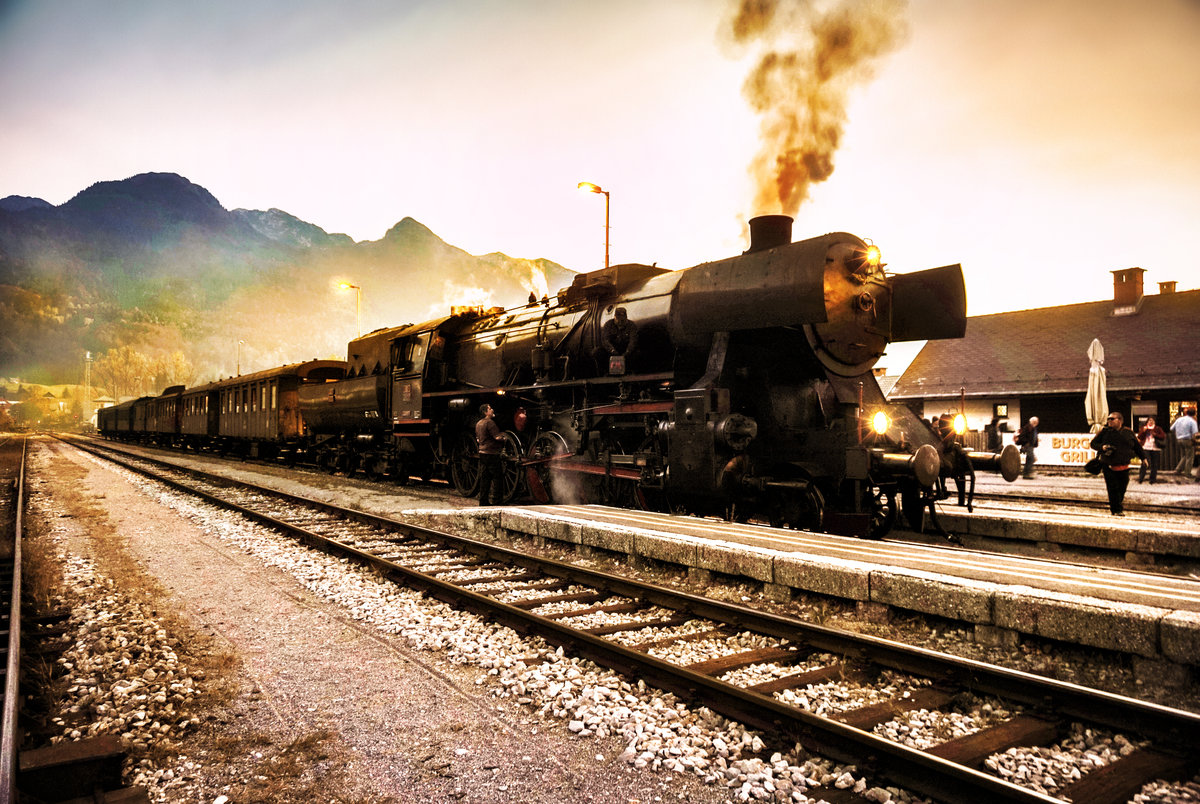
(749, 393)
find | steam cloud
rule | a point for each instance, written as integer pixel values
(811, 60)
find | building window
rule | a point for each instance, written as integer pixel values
(1000, 410)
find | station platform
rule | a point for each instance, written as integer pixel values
(1152, 617)
(1161, 525)
(1171, 489)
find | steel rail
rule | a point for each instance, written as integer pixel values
(9, 745)
(918, 770)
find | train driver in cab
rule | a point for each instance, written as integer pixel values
(618, 339)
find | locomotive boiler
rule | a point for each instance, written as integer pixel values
(749, 392)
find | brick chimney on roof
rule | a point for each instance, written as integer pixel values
(1166, 287)
(1127, 290)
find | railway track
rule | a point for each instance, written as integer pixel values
(753, 667)
(12, 479)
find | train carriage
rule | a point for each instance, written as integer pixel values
(259, 415)
(110, 421)
(163, 417)
(199, 422)
(139, 423)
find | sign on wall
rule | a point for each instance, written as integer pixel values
(1061, 449)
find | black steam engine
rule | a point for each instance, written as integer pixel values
(749, 392)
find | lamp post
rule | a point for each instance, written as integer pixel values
(588, 187)
(86, 413)
(239, 360)
(357, 302)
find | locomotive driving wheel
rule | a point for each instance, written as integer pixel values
(800, 509)
(510, 466)
(621, 492)
(538, 473)
(883, 512)
(464, 464)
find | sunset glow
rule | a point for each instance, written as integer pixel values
(990, 135)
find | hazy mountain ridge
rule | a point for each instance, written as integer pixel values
(156, 262)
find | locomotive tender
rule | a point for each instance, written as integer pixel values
(750, 392)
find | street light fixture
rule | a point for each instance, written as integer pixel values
(357, 302)
(588, 187)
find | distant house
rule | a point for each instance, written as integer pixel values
(1034, 362)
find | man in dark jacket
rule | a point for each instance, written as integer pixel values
(487, 434)
(1027, 440)
(1116, 446)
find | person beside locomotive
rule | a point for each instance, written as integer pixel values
(1116, 445)
(1027, 440)
(1151, 437)
(487, 435)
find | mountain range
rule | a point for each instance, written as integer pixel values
(155, 263)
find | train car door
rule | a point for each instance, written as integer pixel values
(408, 364)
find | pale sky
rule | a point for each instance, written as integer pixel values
(1040, 143)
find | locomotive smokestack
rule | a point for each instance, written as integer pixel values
(769, 231)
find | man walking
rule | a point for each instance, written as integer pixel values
(1115, 446)
(1184, 430)
(487, 434)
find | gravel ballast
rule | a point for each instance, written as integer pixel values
(384, 695)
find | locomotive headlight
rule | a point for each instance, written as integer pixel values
(880, 422)
(874, 256)
(960, 424)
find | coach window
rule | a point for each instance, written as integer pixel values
(274, 396)
(264, 397)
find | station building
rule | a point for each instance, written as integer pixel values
(1035, 362)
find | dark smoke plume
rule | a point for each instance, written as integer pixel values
(811, 60)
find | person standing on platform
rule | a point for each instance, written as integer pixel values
(994, 439)
(1116, 446)
(1184, 430)
(1151, 437)
(487, 434)
(1027, 440)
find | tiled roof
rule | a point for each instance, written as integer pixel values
(1044, 351)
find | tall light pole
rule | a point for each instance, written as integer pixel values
(86, 415)
(239, 360)
(588, 187)
(357, 302)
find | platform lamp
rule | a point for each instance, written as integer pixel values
(588, 187)
(357, 303)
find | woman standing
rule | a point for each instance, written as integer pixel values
(1151, 437)
(1116, 447)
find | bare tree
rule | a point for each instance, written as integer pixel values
(174, 369)
(124, 371)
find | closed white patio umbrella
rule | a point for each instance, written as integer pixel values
(1095, 404)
